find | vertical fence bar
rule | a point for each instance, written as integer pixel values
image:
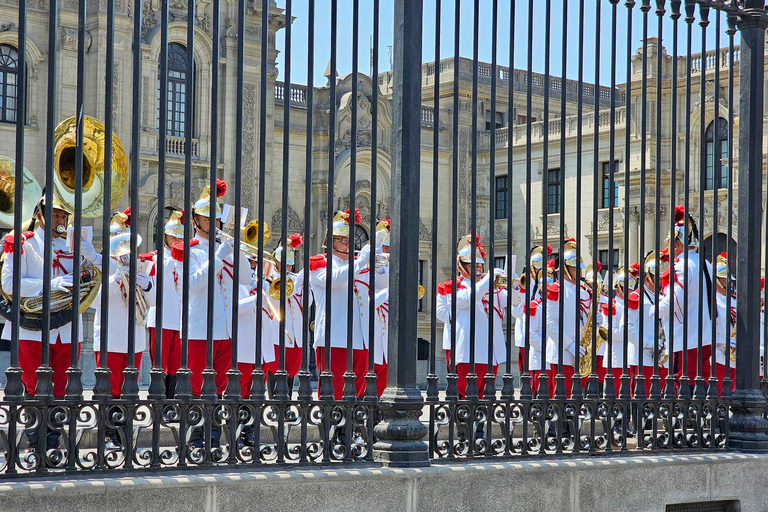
(305, 388)
(349, 376)
(257, 386)
(233, 390)
(432, 379)
(325, 388)
(560, 391)
(712, 391)
(669, 331)
(593, 391)
(471, 393)
(400, 431)
(526, 384)
(609, 387)
(655, 391)
(157, 385)
(508, 380)
(577, 388)
(543, 391)
(748, 424)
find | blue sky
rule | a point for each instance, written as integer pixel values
(344, 34)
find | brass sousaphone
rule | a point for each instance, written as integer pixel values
(93, 183)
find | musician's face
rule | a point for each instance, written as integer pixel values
(170, 240)
(478, 270)
(58, 218)
(202, 225)
(679, 248)
(341, 247)
(385, 249)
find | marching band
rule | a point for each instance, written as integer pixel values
(665, 301)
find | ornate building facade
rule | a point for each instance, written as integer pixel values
(510, 123)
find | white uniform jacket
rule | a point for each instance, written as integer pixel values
(518, 307)
(691, 282)
(117, 339)
(649, 330)
(171, 295)
(222, 289)
(617, 340)
(535, 361)
(571, 339)
(32, 280)
(723, 327)
(487, 302)
(247, 335)
(340, 269)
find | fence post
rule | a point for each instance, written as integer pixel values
(400, 432)
(748, 424)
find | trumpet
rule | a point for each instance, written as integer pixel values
(249, 235)
(500, 282)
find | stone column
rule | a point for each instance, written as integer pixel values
(748, 424)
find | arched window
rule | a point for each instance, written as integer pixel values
(9, 80)
(178, 121)
(720, 180)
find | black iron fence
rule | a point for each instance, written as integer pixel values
(622, 314)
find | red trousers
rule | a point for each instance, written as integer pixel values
(648, 373)
(30, 353)
(462, 369)
(246, 375)
(171, 350)
(601, 370)
(692, 356)
(617, 372)
(117, 362)
(292, 360)
(720, 374)
(521, 360)
(568, 371)
(222, 357)
(339, 366)
(381, 377)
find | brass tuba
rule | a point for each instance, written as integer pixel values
(30, 194)
(93, 183)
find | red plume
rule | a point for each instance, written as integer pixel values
(664, 253)
(127, 212)
(221, 187)
(295, 240)
(388, 222)
(479, 245)
(570, 239)
(357, 216)
(635, 267)
(181, 218)
(762, 283)
(549, 250)
(551, 264)
(679, 214)
(724, 254)
(599, 266)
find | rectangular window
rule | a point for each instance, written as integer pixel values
(606, 200)
(710, 178)
(501, 197)
(553, 191)
(602, 257)
(499, 120)
(499, 261)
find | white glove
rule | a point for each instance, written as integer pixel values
(61, 283)
(224, 250)
(365, 254)
(87, 251)
(603, 299)
(142, 279)
(582, 351)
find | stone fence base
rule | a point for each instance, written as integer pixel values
(617, 484)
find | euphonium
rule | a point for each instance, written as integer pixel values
(421, 292)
